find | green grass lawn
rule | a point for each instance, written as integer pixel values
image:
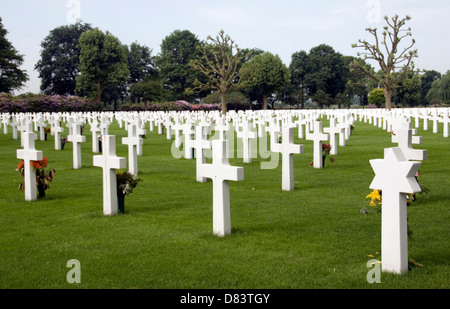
(312, 237)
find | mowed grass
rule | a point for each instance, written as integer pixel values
(312, 237)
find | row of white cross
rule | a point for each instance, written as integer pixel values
(394, 173)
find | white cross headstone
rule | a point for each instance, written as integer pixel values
(287, 148)
(188, 131)
(394, 175)
(445, 120)
(333, 130)
(14, 125)
(104, 124)
(435, 119)
(317, 137)
(178, 128)
(200, 144)
(301, 122)
(273, 128)
(76, 138)
(28, 154)
(246, 134)
(5, 121)
(221, 126)
(57, 130)
(221, 172)
(41, 125)
(133, 141)
(95, 129)
(403, 136)
(168, 124)
(110, 163)
(140, 129)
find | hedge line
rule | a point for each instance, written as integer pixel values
(45, 103)
(29, 103)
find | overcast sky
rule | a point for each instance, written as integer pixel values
(279, 26)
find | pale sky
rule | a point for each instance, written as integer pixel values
(281, 27)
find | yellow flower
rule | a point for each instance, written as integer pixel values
(374, 195)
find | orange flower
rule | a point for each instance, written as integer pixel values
(36, 164)
(39, 164)
(20, 165)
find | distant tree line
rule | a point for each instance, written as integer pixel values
(79, 60)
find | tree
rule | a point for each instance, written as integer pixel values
(148, 91)
(267, 73)
(60, 59)
(427, 79)
(11, 76)
(177, 76)
(393, 58)
(219, 61)
(358, 83)
(141, 63)
(298, 70)
(326, 71)
(103, 62)
(440, 90)
(376, 96)
(322, 69)
(408, 92)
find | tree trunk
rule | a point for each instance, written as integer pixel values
(387, 96)
(98, 98)
(264, 102)
(223, 99)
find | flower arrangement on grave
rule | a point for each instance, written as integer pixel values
(326, 148)
(64, 140)
(126, 182)
(43, 178)
(376, 198)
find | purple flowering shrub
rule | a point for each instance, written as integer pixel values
(179, 106)
(29, 102)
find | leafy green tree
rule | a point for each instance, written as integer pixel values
(177, 76)
(322, 69)
(408, 92)
(60, 59)
(391, 57)
(147, 91)
(376, 96)
(141, 63)
(11, 76)
(440, 90)
(298, 69)
(358, 83)
(267, 73)
(427, 79)
(219, 61)
(326, 71)
(103, 62)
